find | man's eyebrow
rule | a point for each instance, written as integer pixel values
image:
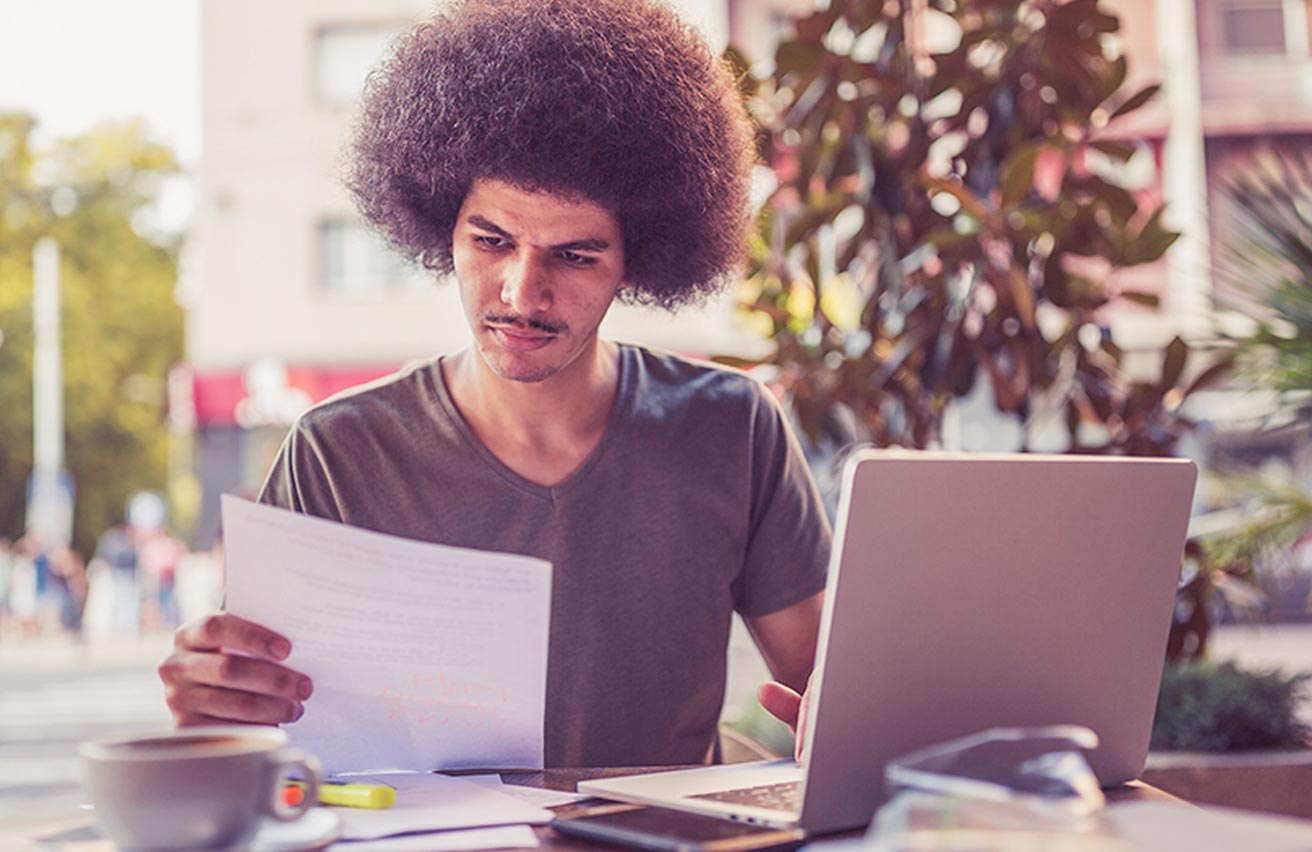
(592, 244)
(589, 244)
(486, 224)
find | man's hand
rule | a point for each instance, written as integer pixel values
(792, 709)
(223, 669)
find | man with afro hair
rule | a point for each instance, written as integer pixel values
(553, 156)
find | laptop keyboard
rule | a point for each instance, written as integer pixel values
(785, 796)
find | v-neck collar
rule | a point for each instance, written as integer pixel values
(619, 413)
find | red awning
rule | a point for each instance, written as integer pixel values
(218, 394)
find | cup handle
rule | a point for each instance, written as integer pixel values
(282, 764)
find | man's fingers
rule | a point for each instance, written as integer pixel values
(191, 720)
(803, 720)
(232, 705)
(208, 687)
(229, 671)
(224, 630)
(781, 702)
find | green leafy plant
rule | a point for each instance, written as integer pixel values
(947, 214)
(1221, 707)
(1269, 259)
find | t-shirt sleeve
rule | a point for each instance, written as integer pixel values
(789, 534)
(297, 480)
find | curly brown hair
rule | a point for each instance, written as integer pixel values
(618, 102)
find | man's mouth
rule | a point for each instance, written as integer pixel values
(519, 339)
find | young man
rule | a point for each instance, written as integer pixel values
(556, 155)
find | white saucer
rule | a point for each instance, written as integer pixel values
(318, 828)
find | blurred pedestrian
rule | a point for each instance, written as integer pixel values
(157, 560)
(68, 578)
(116, 549)
(6, 579)
(22, 585)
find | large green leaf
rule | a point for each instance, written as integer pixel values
(1137, 100)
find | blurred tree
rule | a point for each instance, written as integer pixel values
(1267, 260)
(1270, 259)
(952, 213)
(121, 326)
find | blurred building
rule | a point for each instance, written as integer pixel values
(1237, 85)
(289, 297)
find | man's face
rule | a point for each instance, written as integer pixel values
(537, 273)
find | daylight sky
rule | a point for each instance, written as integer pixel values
(76, 62)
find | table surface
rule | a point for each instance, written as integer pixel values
(78, 834)
(568, 779)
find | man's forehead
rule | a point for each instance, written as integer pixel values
(537, 215)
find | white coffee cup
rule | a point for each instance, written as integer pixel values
(194, 788)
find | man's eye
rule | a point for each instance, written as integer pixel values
(575, 259)
(490, 241)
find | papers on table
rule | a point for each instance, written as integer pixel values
(427, 802)
(506, 837)
(1138, 826)
(423, 656)
(1167, 827)
(533, 795)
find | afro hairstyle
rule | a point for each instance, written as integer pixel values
(617, 102)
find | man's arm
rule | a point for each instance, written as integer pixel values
(787, 640)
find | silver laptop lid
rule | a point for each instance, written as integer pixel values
(972, 591)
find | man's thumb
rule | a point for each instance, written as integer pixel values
(781, 702)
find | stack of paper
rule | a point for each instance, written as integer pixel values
(427, 803)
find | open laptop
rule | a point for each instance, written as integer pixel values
(967, 592)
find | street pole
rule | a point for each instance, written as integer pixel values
(1184, 171)
(50, 490)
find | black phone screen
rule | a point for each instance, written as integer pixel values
(663, 828)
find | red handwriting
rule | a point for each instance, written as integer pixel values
(448, 702)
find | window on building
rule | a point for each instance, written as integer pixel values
(1253, 26)
(353, 261)
(344, 56)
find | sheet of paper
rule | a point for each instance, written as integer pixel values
(532, 795)
(506, 837)
(428, 802)
(423, 657)
(1167, 827)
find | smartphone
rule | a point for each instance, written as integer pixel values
(674, 831)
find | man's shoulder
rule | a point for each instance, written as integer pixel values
(681, 379)
(386, 398)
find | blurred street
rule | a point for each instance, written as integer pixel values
(54, 693)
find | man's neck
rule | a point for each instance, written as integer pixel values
(541, 430)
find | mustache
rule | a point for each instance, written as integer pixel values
(523, 322)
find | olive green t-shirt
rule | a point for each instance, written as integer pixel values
(695, 503)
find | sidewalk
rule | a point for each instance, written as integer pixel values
(57, 693)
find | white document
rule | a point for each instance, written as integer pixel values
(1168, 827)
(428, 802)
(422, 656)
(506, 837)
(533, 795)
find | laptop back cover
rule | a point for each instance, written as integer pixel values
(970, 591)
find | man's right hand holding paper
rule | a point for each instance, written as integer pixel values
(225, 669)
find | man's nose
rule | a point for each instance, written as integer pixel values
(526, 288)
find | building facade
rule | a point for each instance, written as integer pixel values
(291, 298)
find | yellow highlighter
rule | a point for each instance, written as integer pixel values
(353, 795)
